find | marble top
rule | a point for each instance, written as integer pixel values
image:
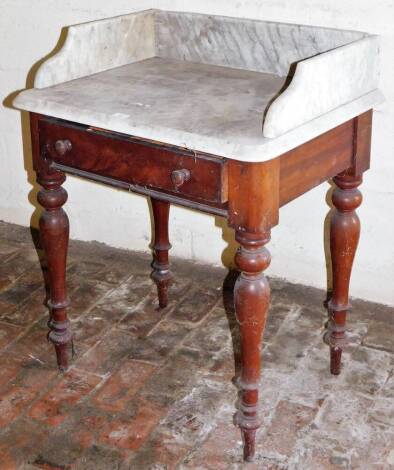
(166, 99)
(242, 89)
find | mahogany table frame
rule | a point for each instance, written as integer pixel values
(249, 195)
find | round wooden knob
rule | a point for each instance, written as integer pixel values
(62, 146)
(179, 177)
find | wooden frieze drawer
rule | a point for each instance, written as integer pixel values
(150, 165)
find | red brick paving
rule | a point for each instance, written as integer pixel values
(152, 389)
(131, 433)
(292, 417)
(8, 333)
(121, 386)
(74, 386)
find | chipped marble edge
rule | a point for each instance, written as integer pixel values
(263, 150)
(322, 83)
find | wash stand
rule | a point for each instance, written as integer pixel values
(227, 116)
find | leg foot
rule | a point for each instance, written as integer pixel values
(251, 297)
(344, 236)
(249, 439)
(54, 233)
(62, 357)
(161, 273)
(60, 336)
(335, 360)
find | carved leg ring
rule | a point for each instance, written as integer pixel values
(251, 295)
(344, 236)
(54, 233)
(161, 273)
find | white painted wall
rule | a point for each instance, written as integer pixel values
(29, 30)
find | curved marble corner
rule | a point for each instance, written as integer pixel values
(324, 82)
(98, 46)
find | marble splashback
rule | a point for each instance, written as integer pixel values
(233, 42)
(323, 83)
(100, 45)
(242, 43)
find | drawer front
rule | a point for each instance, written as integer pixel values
(134, 161)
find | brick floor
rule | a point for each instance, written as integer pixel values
(153, 389)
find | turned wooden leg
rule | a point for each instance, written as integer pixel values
(161, 273)
(54, 233)
(344, 236)
(251, 296)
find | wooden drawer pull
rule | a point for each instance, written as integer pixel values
(62, 146)
(179, 177)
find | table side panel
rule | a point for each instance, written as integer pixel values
(136, 162)
(362, 142)
(314, 162)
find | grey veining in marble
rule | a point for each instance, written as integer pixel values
(323, 83)
(209, 83)
(242, 43)
(100, 45)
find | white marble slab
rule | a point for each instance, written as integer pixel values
(202, 107)
(323, 83)
(262, 46)
(213, 84)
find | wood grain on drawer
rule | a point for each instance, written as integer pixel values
(132, 160)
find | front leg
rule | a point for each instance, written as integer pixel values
(253, 210)
(54, 234)
(344, 236)
(251, 295)
(161, 273)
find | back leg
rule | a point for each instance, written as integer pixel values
(161, 273)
